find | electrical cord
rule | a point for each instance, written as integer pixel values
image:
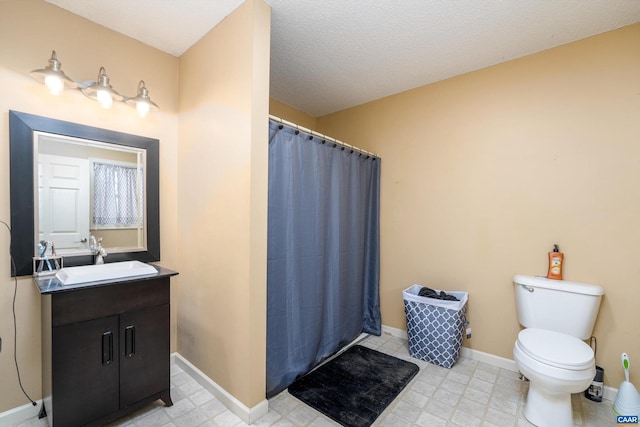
(15, 323)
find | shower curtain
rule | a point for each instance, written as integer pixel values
(323, 251)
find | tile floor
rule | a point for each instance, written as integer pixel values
(469, 394)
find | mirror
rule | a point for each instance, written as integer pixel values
(87, 188)
(42, 209)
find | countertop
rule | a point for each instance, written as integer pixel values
(51, 285)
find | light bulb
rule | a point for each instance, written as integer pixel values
(54, 84)
(104, 98)
(143, 108)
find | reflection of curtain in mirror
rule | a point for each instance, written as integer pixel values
(115, 195)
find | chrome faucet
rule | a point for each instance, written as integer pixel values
(95, 245)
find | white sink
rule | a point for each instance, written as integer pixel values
(94, 273)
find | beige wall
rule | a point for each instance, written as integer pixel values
(117, 238)
(483, 173)
(29, 30)
(286, 112)
(222, 202)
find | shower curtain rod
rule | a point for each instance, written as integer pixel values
(319, 135)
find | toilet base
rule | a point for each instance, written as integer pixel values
(548, 410)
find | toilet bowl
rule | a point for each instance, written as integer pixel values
(556, 365)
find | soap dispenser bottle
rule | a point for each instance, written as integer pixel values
(556, 259)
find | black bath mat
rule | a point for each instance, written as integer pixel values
(355, 387)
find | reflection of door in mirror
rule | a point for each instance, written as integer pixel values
(72, 204)
(64, 201)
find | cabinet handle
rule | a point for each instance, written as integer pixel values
(107, 348)
(130, 341)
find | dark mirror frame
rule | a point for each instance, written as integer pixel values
(21, 128)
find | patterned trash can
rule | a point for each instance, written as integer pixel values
(435, 327)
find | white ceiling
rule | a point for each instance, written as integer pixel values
(327, 55)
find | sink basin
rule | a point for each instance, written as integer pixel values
(94, 273)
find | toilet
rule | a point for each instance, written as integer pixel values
(557, 316)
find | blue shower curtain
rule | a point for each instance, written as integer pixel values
(323, 251)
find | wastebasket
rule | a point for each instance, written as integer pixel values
(435, 327)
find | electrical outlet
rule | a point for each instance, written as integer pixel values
(468, 333)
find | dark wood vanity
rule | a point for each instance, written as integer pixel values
(105, 344)
(105, 347)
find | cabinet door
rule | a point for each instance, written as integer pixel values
(85, 371)
(144, 353)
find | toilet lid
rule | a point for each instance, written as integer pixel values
(555, 349)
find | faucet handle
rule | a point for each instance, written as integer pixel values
(92, 242)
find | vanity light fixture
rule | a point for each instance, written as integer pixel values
(53, 77)
(141, 101)
(100, 90)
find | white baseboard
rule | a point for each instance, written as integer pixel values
(246, 414)
(395, 332)
(18, 415)
(488, 358)
(609, 393)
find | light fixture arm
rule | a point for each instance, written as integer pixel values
(142, 90)
(103, 79)
(54, 64)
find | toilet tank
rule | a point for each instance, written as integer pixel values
(558, 305)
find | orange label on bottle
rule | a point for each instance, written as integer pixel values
(555, 266)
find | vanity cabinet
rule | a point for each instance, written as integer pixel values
(106, 350)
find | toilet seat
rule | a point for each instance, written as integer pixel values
(555, 349)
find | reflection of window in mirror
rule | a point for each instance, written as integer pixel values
(117, 194)
(117, 200)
